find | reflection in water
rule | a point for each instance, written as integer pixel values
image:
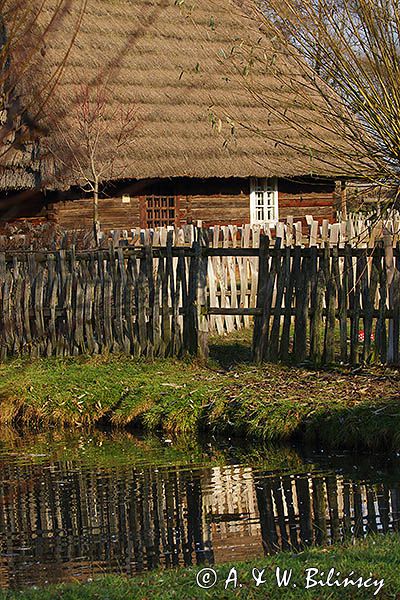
(69, 511)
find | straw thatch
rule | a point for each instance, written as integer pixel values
(183, 65)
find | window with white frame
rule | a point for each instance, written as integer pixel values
(263, 200)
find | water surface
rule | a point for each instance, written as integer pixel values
(75, 505)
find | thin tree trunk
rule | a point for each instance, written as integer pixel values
(96, 222)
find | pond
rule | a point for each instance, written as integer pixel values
(73, 505)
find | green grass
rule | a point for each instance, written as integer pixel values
(228, 395)
(376, 557)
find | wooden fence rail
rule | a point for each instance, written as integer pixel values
(323, 301)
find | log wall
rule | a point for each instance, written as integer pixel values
(113, 213)
(212, 201)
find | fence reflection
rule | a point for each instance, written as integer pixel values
(59, 521)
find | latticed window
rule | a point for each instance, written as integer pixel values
(263, 200)
(160, 211)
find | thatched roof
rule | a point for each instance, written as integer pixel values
(182, 64)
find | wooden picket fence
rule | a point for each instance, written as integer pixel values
(327, 293)
(325, 305)
(142, 301)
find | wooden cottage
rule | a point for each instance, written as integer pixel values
(181, 73)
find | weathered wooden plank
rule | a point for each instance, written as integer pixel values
(331, 294)
(159, 348)
(18, 315)
(165, 314)
(368, 291)
(245, 270)
(282, 271)
(91, 343)
(7, 321)
(300, 267)
(182, 279)
(202, 320)
(264, 298)
(97, 314)
(232, 275)
(78, 309)
(192, 323)
(355, 321)
(173, 301)
(52, 323)
(107, 311)
(316, 341)
(287, 319)
(38, 310)
(26, 299)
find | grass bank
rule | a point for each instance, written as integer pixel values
(373, 559)
(228, 395)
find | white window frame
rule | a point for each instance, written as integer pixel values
(264, 200)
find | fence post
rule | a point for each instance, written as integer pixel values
(258, 341)
(392, 279)
(197, 319)
(202, 316)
